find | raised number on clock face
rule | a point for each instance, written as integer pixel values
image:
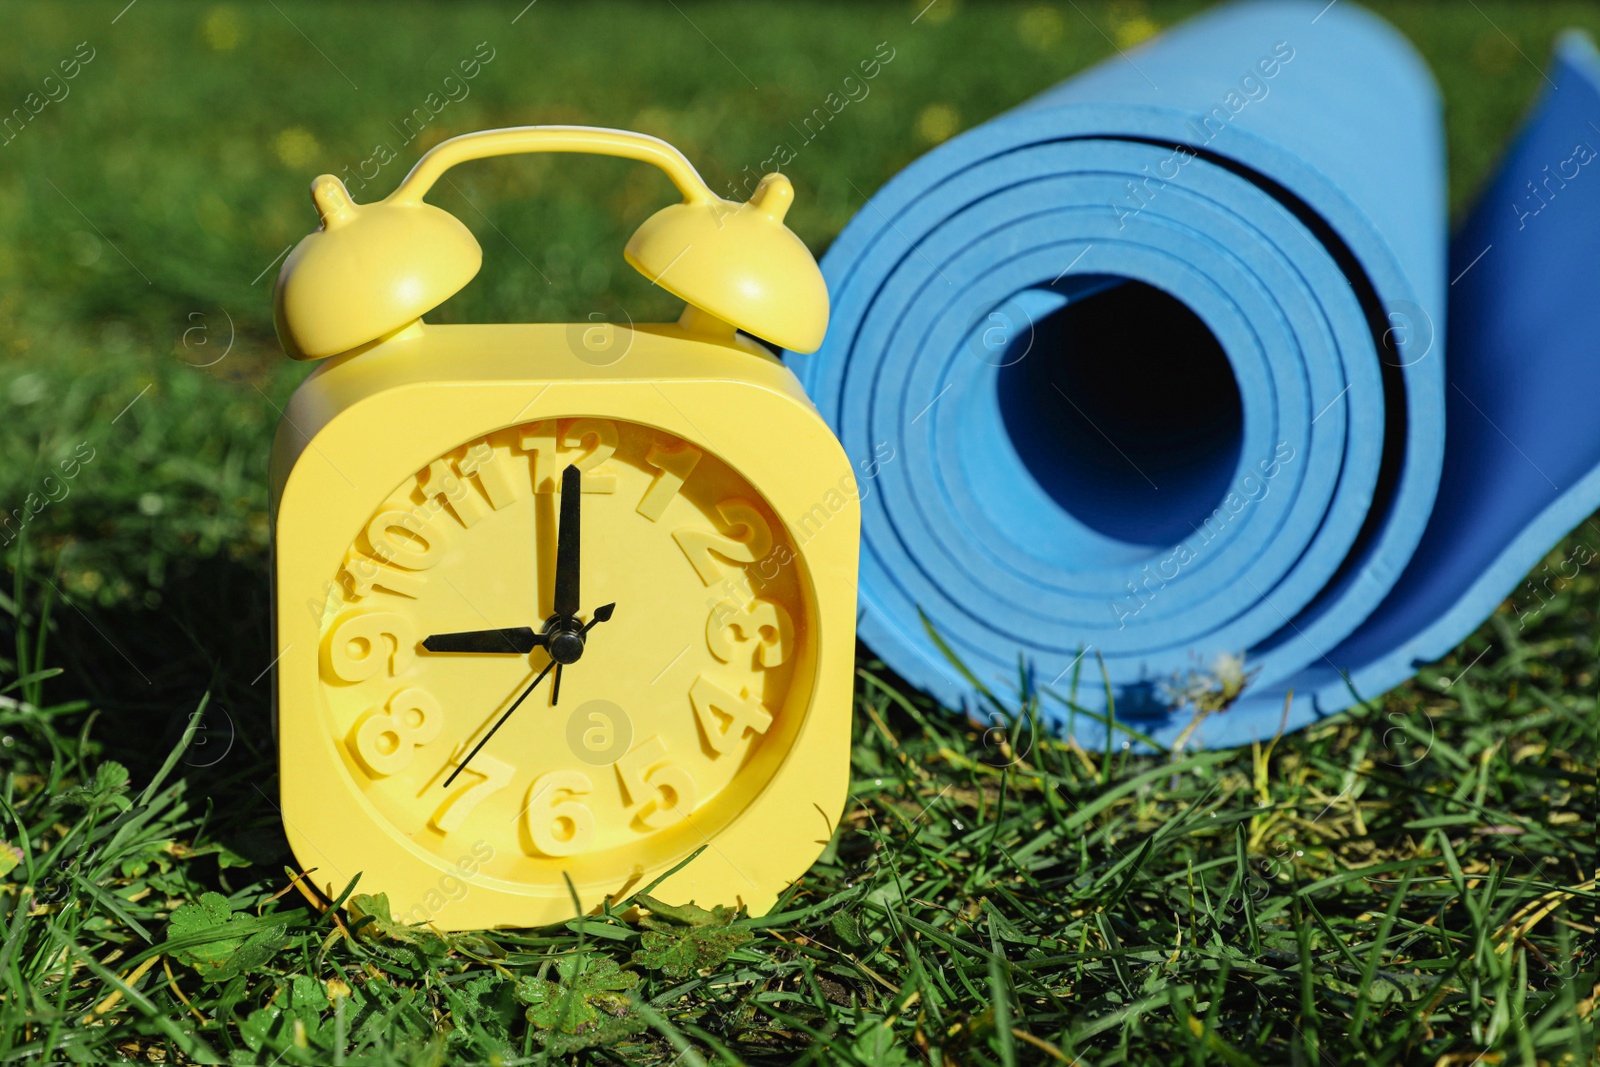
(582, 640)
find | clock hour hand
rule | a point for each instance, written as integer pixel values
(568, 543)
(515, 704)
(507, 641)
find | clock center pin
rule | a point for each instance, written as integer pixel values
(564, 645)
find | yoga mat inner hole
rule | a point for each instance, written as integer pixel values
(1126, 413)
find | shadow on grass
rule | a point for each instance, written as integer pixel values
(206, 652)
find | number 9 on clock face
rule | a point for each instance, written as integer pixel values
(678, 709)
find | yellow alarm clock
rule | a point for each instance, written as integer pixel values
(561, 610)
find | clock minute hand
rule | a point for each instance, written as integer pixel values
(568, 543)
(506, 641)
(498, 723)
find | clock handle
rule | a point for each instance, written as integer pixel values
(516, 140)
(736, 265)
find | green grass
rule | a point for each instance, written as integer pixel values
(1408, 883)
(1411, 882)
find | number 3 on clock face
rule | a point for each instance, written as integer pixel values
(679, 709)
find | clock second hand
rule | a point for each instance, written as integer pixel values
(499, 723)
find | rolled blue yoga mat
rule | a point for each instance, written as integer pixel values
(1153, 370)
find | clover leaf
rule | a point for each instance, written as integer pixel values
(219, 943)
(588, 1003)
(109, 784)
(373, 920)
(482, 1011)
(680, 941)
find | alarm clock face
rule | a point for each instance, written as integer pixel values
(692, 674)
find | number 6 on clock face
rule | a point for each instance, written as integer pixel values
(558, 822)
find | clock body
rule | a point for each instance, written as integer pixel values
(702, 738)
